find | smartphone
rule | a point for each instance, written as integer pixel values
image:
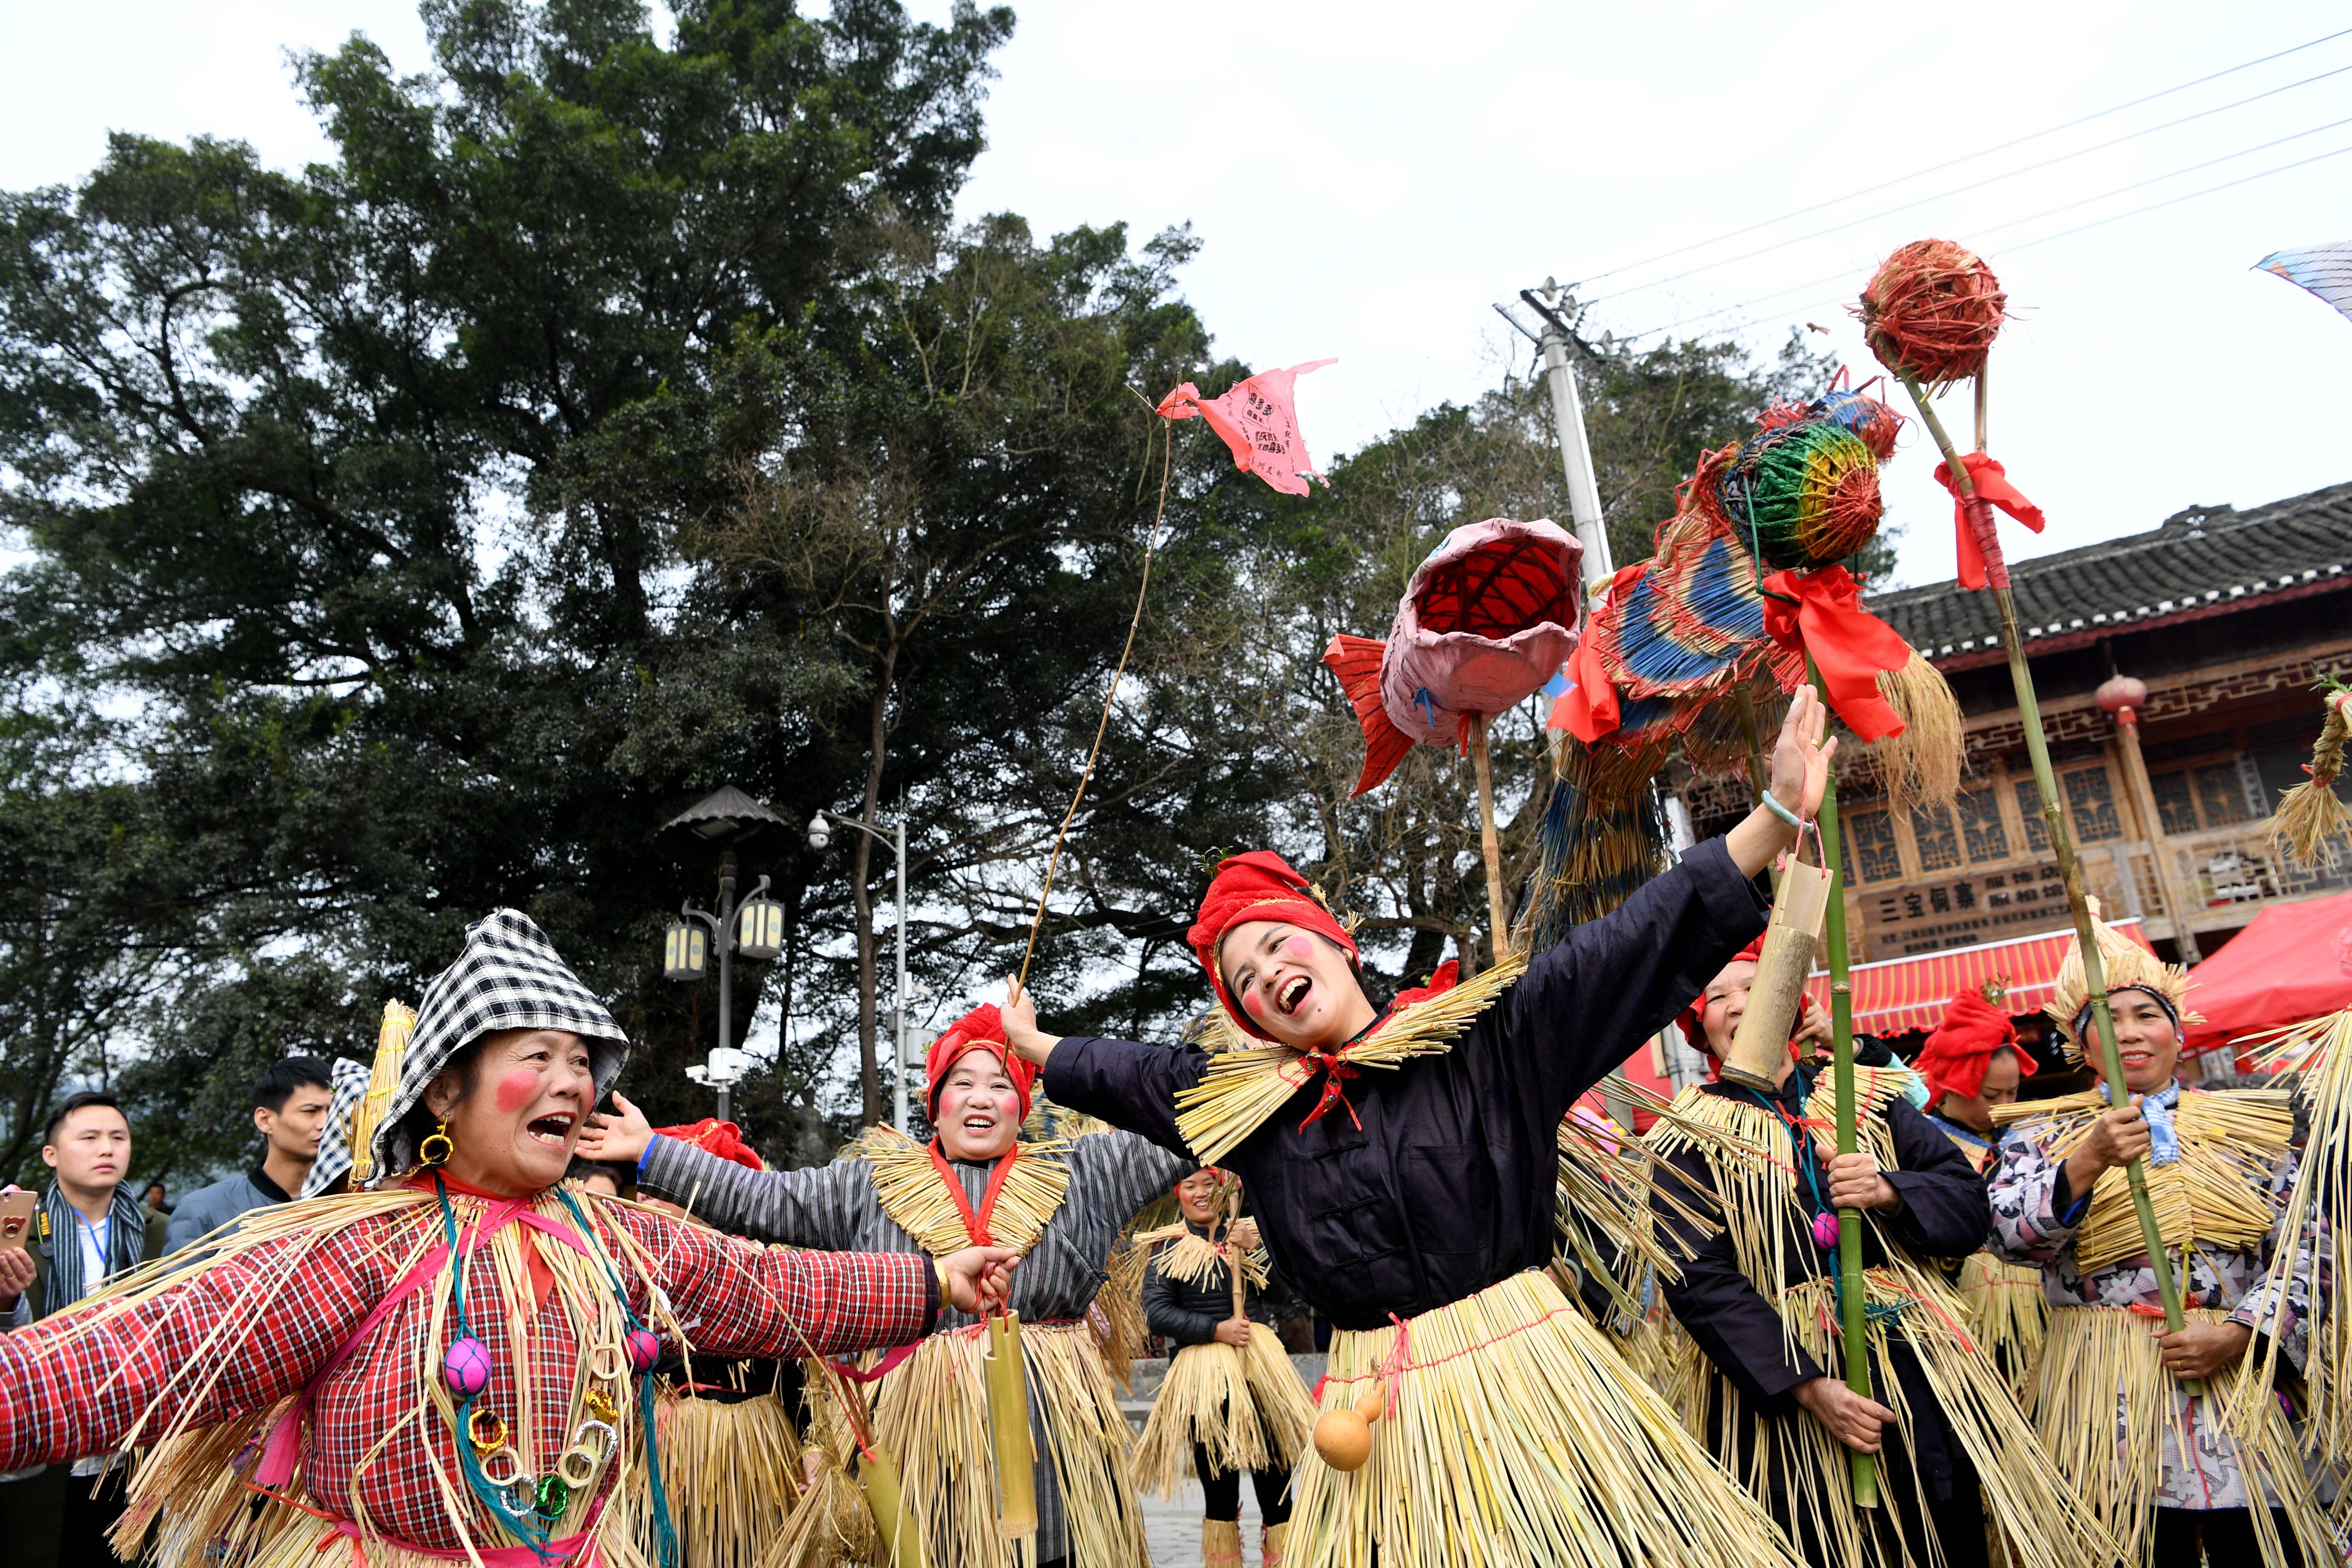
(16, 1219)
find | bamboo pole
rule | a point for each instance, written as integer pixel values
(2037, 748)
(1854, 1328)
(1489, 845)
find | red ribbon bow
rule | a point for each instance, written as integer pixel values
(1849, 645)
(1976, 539)
(1334, 1067)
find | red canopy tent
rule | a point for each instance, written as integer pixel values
(2292, 962)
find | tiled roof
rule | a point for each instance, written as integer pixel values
(2204, 561)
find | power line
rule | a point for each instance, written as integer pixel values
(2175, 201)
(1966, 158)
(1961, 190)
(2049, 212)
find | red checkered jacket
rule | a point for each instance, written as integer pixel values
(252, 1327)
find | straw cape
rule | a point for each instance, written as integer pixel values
(728, 1466)
(1245, 1406)
(1913, 1319)
(2116, 1421)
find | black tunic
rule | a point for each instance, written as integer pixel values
(1944, 1214)
(1446, 1187)
(1189, 1314)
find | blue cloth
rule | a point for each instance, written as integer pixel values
(208, 1208)
(2163, 1138)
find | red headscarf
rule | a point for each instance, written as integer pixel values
(713, 1136)
(982, 1029)
(1258, 886)
(1687, 1020)
(1954, 1059)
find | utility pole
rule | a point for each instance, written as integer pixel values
(1568, 411)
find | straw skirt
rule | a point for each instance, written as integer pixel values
(1515, 1434)
(2110, 1414)
(2006, 1313)
(931, 1414)
(1247, 1408)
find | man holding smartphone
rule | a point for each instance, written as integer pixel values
(89, 1227)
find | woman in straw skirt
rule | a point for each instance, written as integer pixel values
(1059, 1204)
(1231, 1402)
(1758, 1295)
(1973, 1064)
(2162, 1470)
(1404, 1182)
(326, 1380)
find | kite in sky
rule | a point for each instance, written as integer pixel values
(2324, 270)
(1259, 422)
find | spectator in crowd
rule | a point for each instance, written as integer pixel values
(90, 1229)
(613, 1178)
(156, 1197)
(289, 1108)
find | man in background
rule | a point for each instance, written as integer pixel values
(289, 1108)
(89, 1227)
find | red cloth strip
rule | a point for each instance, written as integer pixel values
(975, 1225)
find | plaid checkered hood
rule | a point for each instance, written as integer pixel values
(508, 977)
(350, 1086)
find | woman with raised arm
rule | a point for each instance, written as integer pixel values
(1059, 1204)
(452, 1367)
(1402, 1170)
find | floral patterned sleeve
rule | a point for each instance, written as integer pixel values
(2280, 1302)
(2026, 1225)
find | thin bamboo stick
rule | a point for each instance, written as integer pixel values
(1850, 1280)
(1488, 844)
(2045, 781)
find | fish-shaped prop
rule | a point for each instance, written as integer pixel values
(1486, 621)
(1258, 419)
(1696, 646)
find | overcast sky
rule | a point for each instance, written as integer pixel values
(1368, 178)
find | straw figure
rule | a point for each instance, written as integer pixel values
(2162, 1468)
(1059, 1202)
(1403, 1165)
(1761, 1299)
(1931, 312)
(1232, 1402)
(1973, 1064)
(2311, 817)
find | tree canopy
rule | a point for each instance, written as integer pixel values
(612, 418)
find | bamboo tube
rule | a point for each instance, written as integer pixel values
(1758, 1056)
(2045, 781)
(1488, 844)
(902, 1541)
(1008, 1428)
(1863, 1468)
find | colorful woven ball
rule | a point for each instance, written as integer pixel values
(1825, 1230)
(1807, 492)
(1932, 311)
(644, 1347)
(466, 1367)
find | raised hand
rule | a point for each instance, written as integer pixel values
(621, 1135)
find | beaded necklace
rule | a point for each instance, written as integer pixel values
(530, 1507)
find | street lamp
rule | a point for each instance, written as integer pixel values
(722, 821)
(820, 835)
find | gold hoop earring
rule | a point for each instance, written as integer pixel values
(429, 1155)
